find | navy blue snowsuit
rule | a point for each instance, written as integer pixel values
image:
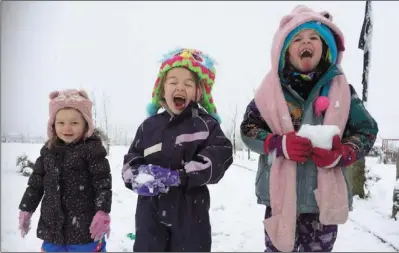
(179, 220)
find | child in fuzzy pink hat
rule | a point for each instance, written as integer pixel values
(71, 179)
(303, 186)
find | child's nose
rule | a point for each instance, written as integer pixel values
(68, 127)
(180, 86)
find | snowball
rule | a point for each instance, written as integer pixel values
(321, 136)
(144, 178)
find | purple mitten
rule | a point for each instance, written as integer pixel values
(153, 180)
(165, 176)
(100, 225)
(24, 222)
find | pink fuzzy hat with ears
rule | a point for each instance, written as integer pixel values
(76, 99)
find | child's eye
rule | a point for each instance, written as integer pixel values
(297, 39)
(314, 38)
(189, 84)
(75, 122)
(60, 122)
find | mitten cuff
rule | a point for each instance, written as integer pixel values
(348, 155)
(274, 142)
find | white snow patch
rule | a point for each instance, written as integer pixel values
(321, 136)
(236, 218)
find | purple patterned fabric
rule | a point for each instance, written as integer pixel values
(311, 235)
(151, 180)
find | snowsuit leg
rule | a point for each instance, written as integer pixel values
(174, 222)
(311, 235)
(151, 235)
(190, 224)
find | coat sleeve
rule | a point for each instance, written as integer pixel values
(254, 129)
(361, 129)
(212, 161)
(101, 176)
(35, 190)
(135, 156)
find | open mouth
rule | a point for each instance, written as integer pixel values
(306, 53)
(179, 101)
(68, 135)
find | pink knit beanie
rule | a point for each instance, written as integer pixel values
(76, 99)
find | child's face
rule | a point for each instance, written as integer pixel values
(69, 125)
(305, 50)
(179, 89)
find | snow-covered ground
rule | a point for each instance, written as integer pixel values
(236, 218)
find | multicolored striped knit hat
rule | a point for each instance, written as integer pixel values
(197, 62)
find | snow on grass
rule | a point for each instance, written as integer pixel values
(236, 217)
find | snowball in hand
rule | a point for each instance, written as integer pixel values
(143, 178)
(321, 136)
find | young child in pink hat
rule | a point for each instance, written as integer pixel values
(71, 179)
(306, 187)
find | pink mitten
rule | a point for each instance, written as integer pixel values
(100, 225)
(24, 222)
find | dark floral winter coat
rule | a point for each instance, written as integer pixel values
(75, 182)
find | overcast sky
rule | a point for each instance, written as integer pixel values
(115, 47)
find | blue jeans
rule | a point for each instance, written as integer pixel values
(98, 246)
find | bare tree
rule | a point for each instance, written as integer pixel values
(94, 109)
(395, 205)
(105, 114)
(125, 138)
(233, 127)
(249, 150)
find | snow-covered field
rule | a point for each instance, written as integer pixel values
(236, 218)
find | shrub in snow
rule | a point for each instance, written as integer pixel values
(371, 179)
(375, 152)
(104, 138)
(25, 166)
(389, 156)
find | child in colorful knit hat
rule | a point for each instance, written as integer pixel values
(175, 155)
(304, 186)
(71, 179)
